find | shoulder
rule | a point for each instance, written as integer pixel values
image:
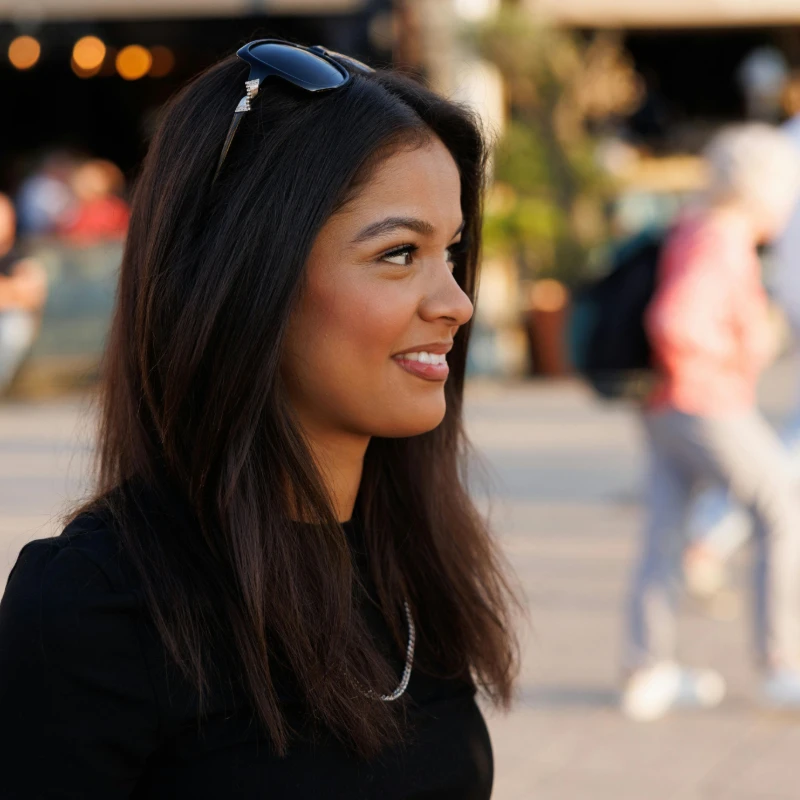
(61, 586)
(74, 678)
(88, 545)
(705, 244)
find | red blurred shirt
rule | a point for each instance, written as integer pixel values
(708, 322)
(97, 221)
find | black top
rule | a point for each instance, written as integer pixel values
(90, 707)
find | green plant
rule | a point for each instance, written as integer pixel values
(546, 205)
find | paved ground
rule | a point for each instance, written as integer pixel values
(566, 473)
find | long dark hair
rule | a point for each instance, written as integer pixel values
(192, 405)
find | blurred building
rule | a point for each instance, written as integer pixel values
(702, 62)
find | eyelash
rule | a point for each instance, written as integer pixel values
(455, 250)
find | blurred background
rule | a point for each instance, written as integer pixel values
(599, 111)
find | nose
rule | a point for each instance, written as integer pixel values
(446, 301)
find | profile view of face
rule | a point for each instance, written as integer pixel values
(366, 351)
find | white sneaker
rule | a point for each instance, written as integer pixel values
(651, 692)
(781, 689)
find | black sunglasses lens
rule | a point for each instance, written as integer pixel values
(301, 66)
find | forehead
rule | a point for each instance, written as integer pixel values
(423, 181)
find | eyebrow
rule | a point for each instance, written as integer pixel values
(419, 226)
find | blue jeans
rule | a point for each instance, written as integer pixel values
(743, 454)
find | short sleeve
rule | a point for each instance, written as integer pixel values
(78, 717)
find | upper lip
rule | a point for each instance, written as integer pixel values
(433, 347)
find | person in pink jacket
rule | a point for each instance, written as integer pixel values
(710, 334)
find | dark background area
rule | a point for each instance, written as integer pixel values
(106, 116)
(691, 75)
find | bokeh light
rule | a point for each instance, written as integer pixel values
(134, 62)
(81, 72)
(88, 54)
(24, 52)
(163, 61)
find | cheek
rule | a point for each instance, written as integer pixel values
(342, 373)
(343, 336)
(356, 327)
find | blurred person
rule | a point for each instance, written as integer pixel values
(717, 525)
(787, 292)
(99, 213)
(45, 196)
(709, 329)
(23, 290)
(762, 77)
(280, 586)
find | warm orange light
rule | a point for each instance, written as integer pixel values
(548, 295)
(163, 61)
(24, 52)
(81, 72)
(134, 62)
(88, 53)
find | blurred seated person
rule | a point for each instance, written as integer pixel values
(100, 214)
(23, 291)
(45, 196)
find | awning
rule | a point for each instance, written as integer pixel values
(56, 10)
(668, 13)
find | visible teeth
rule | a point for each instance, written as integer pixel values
(426, 358)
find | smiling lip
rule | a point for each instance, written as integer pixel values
(432, 347)
(428, 372)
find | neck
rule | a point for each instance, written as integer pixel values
(340, 459)
(738, 214)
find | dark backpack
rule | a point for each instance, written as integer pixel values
(608, 343)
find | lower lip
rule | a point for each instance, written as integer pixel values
(429, 372)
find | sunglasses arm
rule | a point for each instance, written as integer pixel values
(251, 88)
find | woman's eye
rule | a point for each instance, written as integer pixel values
(402, 254)
(405, 253)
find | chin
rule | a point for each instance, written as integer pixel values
(414, 424)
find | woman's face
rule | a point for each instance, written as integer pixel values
(367, 343)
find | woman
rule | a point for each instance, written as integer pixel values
(281, 535)
(710, 332)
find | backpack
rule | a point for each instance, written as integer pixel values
(608, 342)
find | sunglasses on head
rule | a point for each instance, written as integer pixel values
(315, 69)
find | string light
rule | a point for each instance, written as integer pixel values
(24, 52)
(163, 61)
(89, 53)
(134, 62)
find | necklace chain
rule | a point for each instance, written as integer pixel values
(403, 685)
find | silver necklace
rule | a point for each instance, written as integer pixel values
(403, 685)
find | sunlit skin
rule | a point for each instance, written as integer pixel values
(366, 301)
